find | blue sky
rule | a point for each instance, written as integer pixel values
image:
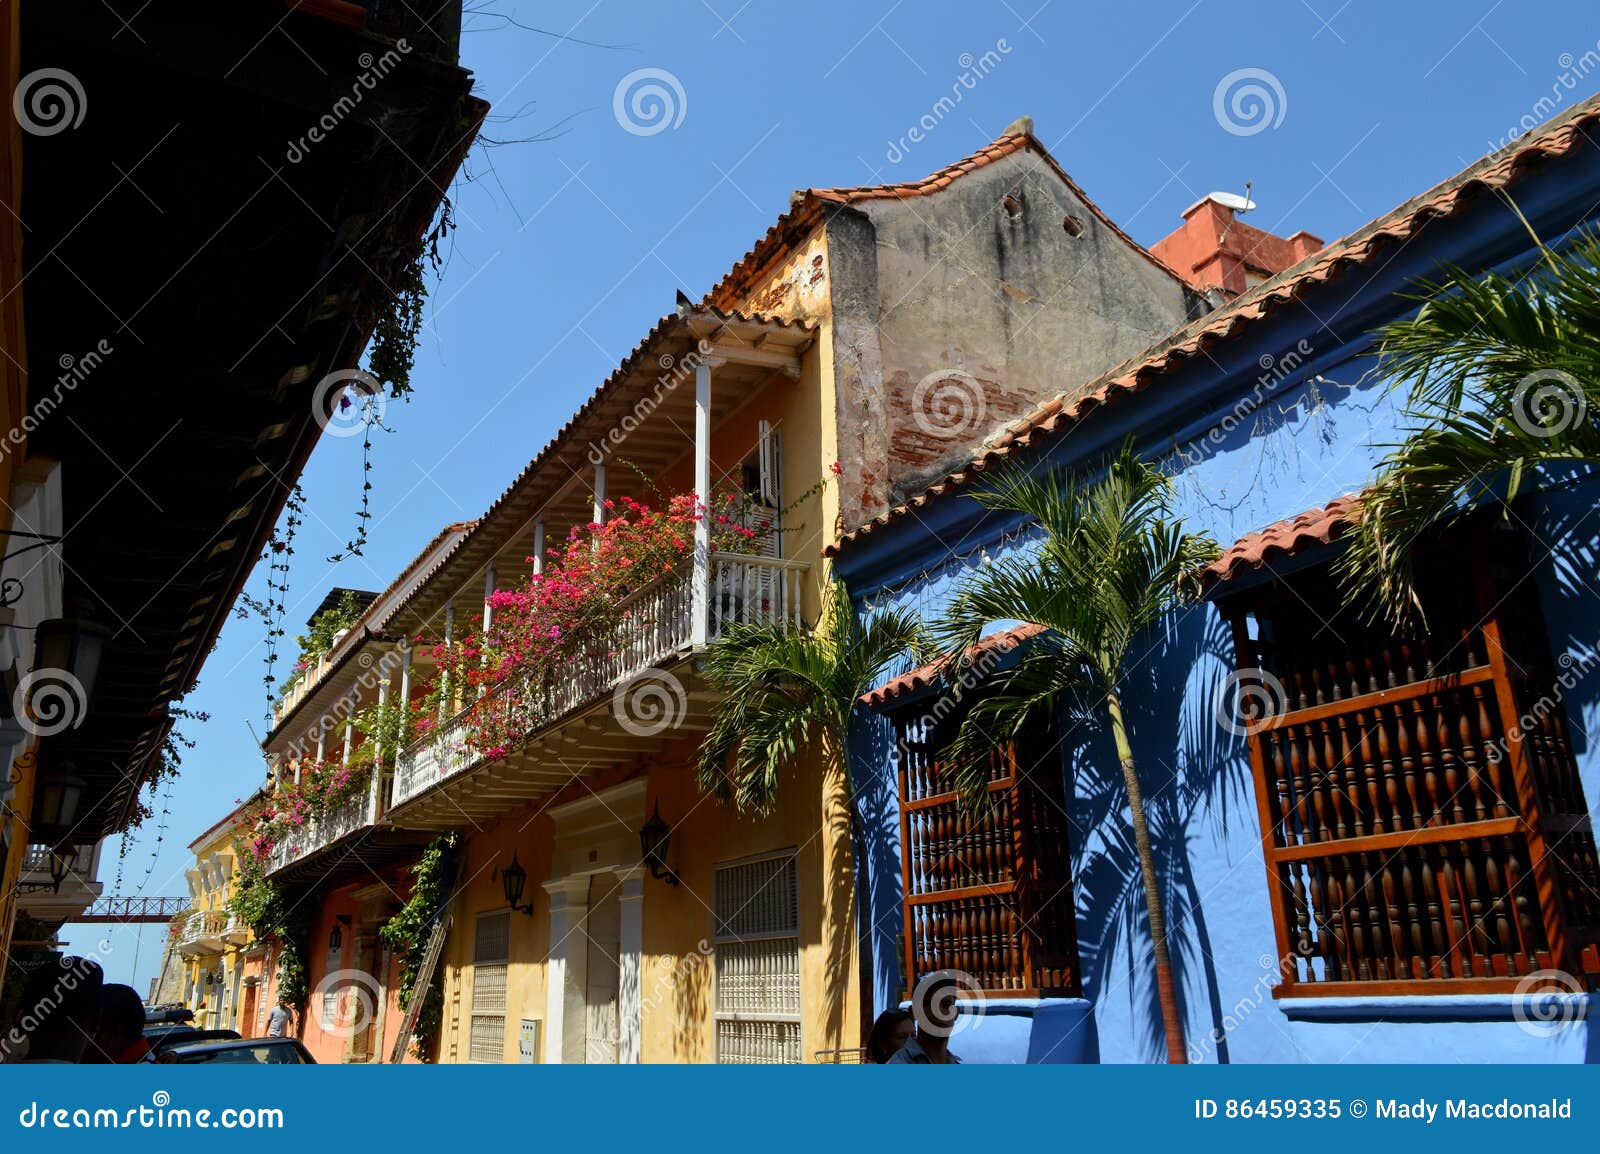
(574, 233)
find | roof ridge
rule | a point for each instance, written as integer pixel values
(1492, 172)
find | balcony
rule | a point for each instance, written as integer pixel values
(580, 720)
(202, 933)
(38, 893)
(355, 813)
(237, 931)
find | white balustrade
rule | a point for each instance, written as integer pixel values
(654, 624)
(354, 813)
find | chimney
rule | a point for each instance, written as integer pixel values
(1214, 249)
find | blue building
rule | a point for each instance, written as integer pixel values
(1400, 867)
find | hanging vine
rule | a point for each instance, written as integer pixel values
(371, 417)
(409, 929)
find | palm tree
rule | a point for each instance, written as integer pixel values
(1111, 562)
(1503, 377)
(783, 690)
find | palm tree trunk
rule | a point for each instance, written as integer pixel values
(1171, 1012)
(864, 924)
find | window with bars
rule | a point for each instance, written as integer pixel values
(987, 893)
(1424, 825)
(491, 955)
(756, 939)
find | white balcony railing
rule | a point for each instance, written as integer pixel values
(202, 933)
(350, 815)
(656, 624)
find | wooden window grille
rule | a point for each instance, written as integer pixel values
(1423, 821)
(491, 954)
(756, 939)
(987, 893)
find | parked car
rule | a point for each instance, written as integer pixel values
(154, 1015)
(241, 1051)
(165, 1031)
(182, 1036)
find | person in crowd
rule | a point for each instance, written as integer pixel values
(890, 1033)
(58, 1015)
(280, 1022)
(936, 1013)
(120, 1039)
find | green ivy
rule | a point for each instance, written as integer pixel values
(409, 929)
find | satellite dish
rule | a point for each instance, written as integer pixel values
(1232, 200)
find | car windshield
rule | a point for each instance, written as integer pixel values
(261, 1054)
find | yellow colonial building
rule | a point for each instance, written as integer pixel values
(211, 941)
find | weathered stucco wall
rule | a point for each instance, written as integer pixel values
(958, 311)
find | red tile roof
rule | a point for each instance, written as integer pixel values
(924, 676)
(1284, 539)
(807, 207)
(1366, 245)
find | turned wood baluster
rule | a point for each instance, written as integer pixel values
(1430, 773)
(1438, 939)
(1408, 765)
(1355, 918)
(1377, 922)
(1300, 902)
(1291, 821)
(1361, 821)
(1465, 751)
(1472, 903)
(1327, 906)
(1305, 743)
(1397, 930)
(1408, 887)
(1529, 932)
(1391, 780)
(1499, 908)
(1453, 962)
(1498, 764)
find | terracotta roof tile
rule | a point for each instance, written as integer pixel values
(1284, 539)
(924, 676)
(1497, 171)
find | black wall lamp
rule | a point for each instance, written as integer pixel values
(654, 839)
(62, 859)
(514, 878)
(335, 939)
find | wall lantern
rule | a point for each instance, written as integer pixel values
(62, 858)
(335, 939)
(57, 811)
(654, 839)
(514, 878)
(73, 645)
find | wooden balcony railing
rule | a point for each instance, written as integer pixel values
(987, 894)
(656, 625)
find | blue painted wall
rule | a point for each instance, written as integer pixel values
(1282, 418)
